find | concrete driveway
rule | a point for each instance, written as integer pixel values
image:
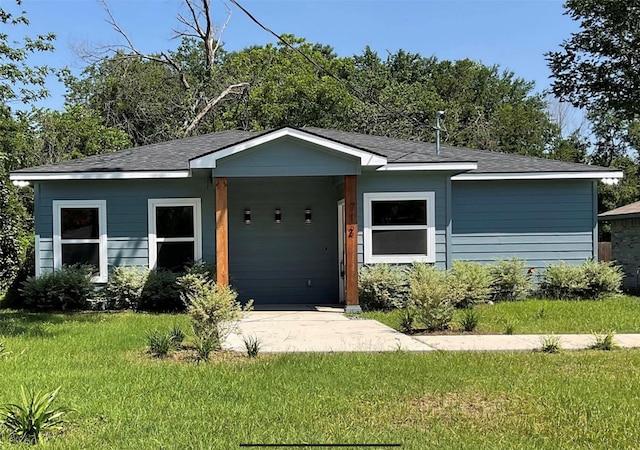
(317, 329)
(327, 329)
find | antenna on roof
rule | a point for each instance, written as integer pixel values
(437, 128)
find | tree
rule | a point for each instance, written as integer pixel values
(202, 89)
(19, 80)
(597, 67)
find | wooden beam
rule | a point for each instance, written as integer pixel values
(351, 242)
(222, 233)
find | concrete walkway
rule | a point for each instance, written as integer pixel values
(327, 329)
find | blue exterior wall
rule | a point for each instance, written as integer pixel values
(291, 262)
(407, 181)
(540, 221)
(127, 205)
(287, 157)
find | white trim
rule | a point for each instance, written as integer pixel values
(36, 176)
(429, 197)
(430, 166)
(153, 203)
(57, 206)
(38, 268)
(209, 161)
(537, 176)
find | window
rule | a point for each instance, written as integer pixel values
(399, 227)
(174, 233)
(80, 235)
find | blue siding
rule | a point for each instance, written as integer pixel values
(407, 182)
(127, 205)
(273, 263)
(541, 221)
(287, 157)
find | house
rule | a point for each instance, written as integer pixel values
(625, 242)
(289, 214)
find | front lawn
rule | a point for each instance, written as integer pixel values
(620, 313)
(127, 400)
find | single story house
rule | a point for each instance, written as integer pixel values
(288, 215)
(625, 242)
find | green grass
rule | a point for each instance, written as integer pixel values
(128, 400)
(621, 313)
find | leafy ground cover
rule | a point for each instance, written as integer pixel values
(619, 313)
(126, 399)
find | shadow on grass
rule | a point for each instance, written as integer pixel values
(27, 324)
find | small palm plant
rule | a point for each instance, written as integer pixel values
(36, 415)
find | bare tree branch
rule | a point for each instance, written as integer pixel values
(199, 25)
(233, 89)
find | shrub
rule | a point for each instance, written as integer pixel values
(604, 341)
(469, 320)
(12, 298)
(213, 308)
(124, 288)
(590, 280)
(203, 268)
(563, 281)
(603, 278)
(510, 279)
(160, 293)
(472, 281)
(160, 344)
(382, 287)
(68, 288)
(431, 296)
(34, 416)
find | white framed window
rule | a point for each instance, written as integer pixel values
(175, 233)
(399, 227)
(80, 235)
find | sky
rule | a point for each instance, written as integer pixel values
(513, 34)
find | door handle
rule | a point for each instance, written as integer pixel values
(342, 269)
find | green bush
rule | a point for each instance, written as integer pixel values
(510, 280)
(591, 280)
(382, 287)
(124, 288)
(12, 298)
(563, 281)
(68, 288)
(160, 293)
(213, 308)
(472, 282)
(431, 296)
(603, 278)
(203, 268)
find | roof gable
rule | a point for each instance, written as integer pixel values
(210, 160)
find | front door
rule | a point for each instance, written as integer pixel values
(341, 267)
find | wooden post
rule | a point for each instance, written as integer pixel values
(222, 233)
(351, 243)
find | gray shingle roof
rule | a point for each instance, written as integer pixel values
(175, 155)
(629, 211)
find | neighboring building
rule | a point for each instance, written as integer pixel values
(625, 242)
(289, 214)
